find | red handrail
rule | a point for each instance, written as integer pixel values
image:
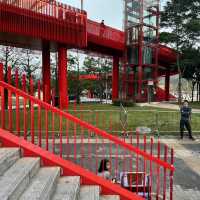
(50, 8)
(84, 143)
(87, 126)
(68, 168)
(106, 32)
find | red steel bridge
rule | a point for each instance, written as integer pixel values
(53, 26)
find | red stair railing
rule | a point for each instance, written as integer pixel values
(80, 142)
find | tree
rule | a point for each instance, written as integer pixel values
(101, 67)
(191, 61)
(30, 62)
(73, 76)
(54, 72)
(182, 29)
(9, 56)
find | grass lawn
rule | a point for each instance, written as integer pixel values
(107, 117)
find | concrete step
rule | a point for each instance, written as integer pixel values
(109, 197)
(8, 156)
(89, 193)
(16, 178)
(42, 185)
(68, 188)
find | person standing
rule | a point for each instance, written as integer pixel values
(186, 112)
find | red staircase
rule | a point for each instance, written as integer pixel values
(63, 140)
(161, 95)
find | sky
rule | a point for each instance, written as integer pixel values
(111, 11)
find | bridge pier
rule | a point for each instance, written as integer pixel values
(46, 73)
(115, 78)
(62, 77)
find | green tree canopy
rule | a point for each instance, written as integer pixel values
(180, 23)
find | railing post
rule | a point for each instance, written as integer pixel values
(137, 160)
(144, 179)
(39, 89)
(46, 129)
(2, 108)
(9, 75)
(24, 106)
(158, 172)
(9, 101)
(16, 78)
(171, 175)
(31, 87)
(17, 103)
(24, 82)
(165, 173)
(1, 72)
(2, 99)
(151, 170)
(39, 127)
(60, 134)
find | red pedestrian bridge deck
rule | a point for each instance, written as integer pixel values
(29, 23)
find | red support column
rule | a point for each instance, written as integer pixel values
(167, 85)
(131, 86)
(115, 78)
(62, 77)
(140, 64)
(46, 73)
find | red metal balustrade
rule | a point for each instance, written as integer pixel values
(39, 18)
(105, 35)
(83, 144)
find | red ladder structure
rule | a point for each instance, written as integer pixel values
(77, 147)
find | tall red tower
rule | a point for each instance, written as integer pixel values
(140, 73)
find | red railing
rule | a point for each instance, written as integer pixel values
(44, 19)
(73, 139)
(105, 35)
(50, 8)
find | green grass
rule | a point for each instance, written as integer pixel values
(107, 117)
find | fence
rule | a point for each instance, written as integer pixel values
(47, 20)
(163, 122)
(88, 145)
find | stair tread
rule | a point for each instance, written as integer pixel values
(109, 197)
(42, 185)
(68, 188)
(89, 193)
(20, 172)
(8, 156)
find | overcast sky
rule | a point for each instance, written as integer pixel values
(109, 10)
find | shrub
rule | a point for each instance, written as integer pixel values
(125, 103)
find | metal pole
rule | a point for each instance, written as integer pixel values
(81, 4)
(106, 89)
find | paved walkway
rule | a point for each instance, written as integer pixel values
(164, 106)
(187, 163)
